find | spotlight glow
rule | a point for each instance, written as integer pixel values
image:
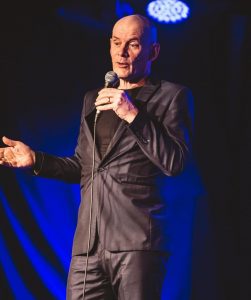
(168, 11)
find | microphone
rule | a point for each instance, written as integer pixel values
(111, 81)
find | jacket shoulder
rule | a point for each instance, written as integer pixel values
(89, 95)
(88, 100)
(173, 88)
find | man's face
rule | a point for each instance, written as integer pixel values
(130, 50)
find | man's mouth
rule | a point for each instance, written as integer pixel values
(122, 65)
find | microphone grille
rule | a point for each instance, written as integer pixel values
(111, 79)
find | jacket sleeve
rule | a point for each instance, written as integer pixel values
(64, 168)
(166, 140)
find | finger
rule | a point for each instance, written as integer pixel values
(8, 155)
(7, 163)
(103, 101)
(12, 163)
(105, 107)
(9, 142)
(8, 159)
(114, 93)
(108, 93)
(107, 90)
(4, 161)
(3, 152)
(104, 96)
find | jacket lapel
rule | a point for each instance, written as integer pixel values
(88, 119)
(147, 91)
(143, 96)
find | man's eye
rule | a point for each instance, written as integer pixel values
(134, 45)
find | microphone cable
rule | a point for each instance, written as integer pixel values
(91, 202)
(111, 80)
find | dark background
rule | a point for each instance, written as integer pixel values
(54, 51)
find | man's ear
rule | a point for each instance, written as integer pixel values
(154, 53)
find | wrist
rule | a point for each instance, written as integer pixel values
(39, 160)
(33, 157)
(131, 115)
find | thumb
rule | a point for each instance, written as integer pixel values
(9, 142)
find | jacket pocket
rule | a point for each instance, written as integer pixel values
(136, 180)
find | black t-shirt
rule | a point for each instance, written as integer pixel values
(108, 123)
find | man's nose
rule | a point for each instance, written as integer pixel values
(123, 51)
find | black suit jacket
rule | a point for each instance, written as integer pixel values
(129, 189)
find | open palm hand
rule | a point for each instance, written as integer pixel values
(16, 155)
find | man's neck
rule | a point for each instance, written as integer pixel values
(126, 85)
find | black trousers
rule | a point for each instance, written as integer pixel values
(132, 275)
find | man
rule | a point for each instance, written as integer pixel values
(122, 158)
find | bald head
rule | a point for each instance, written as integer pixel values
(133, 48)
(147, 29)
